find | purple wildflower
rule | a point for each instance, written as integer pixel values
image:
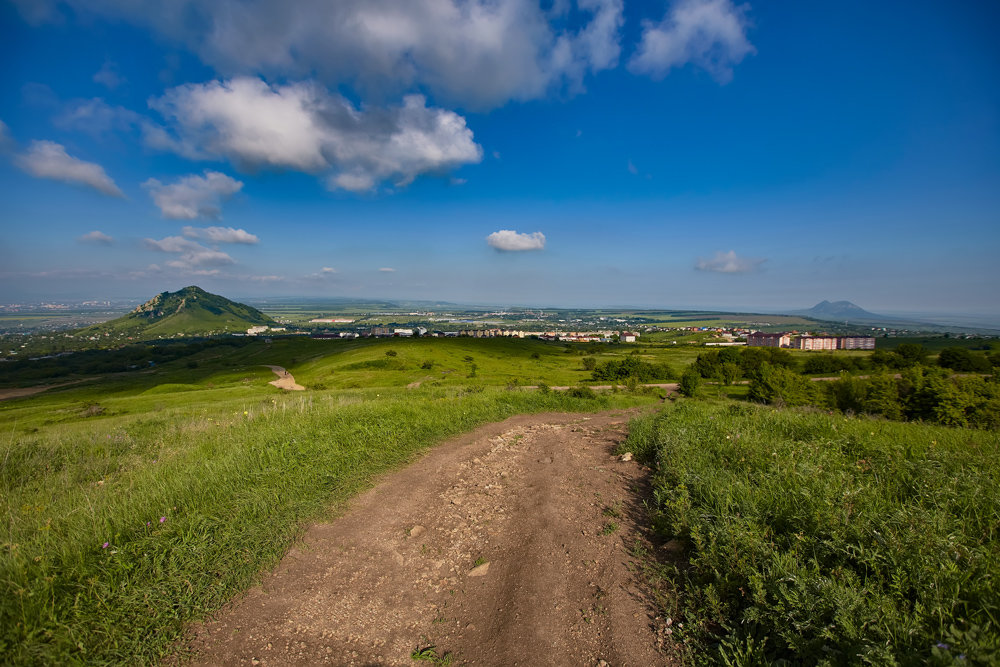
(105, 545)
(162, 519)
(942, 645)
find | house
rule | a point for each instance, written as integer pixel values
(761, 339)
(815, 343)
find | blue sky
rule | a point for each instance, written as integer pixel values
(698, 153)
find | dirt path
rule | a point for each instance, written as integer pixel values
(539, 502)
(6, 394)
(285, 379)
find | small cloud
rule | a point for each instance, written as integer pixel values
(327, 271)
(193, 196)
(496, 155)
(632, 168)
(109, 76)
(352, 182)
(191, 255)
(97, 117)
(459, 181)
(221, 235)
(47, 159)
(509, 240)
(96, 237)
(729, 262)
(386, 269)
(708, 33)
(579, 133)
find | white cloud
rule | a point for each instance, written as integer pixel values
(728, 262)
(96, 237)
(303, 127)
(47, 159)
(221, 235)
(708, 33)
(477, 53)
(191, 255)
(193, 196)
(386, 269)
(632, 169)
(507, 239)
(109, 76)
(95, 116)
(328, 271)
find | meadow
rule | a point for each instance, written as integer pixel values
(138, 500)
(805, 537)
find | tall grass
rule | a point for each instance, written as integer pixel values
(819, 539)
(118, 532)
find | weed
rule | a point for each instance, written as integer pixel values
(430, 654)
(821, 539)
(613, 511)
(609, 528)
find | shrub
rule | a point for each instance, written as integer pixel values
(581, 392)
(688, 385)
(632, 367)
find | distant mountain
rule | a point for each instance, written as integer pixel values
(188, 312)
(841, 311)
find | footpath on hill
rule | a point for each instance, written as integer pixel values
(510, 545)
(285, 379)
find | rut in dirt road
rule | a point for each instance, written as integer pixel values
(506, 546)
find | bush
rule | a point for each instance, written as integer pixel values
(391, 353)
(688, 385)
(632, 367)
(581, 392)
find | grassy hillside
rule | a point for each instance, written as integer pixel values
(821, 539)
(129, 512)
(188, 312)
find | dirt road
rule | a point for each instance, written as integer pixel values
(285, 379)
(505, 546)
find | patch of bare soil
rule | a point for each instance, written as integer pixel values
(505, 546)
(285, 379)
(6, 394)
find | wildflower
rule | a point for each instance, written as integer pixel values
(162, 519)
(942, 645)
(148, 523)
(105, 545)
(245, 413)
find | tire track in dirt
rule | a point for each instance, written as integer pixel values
(542, 499)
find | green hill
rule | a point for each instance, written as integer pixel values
(188, 312)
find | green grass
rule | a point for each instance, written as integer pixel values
(820, 539)
(121, 528)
